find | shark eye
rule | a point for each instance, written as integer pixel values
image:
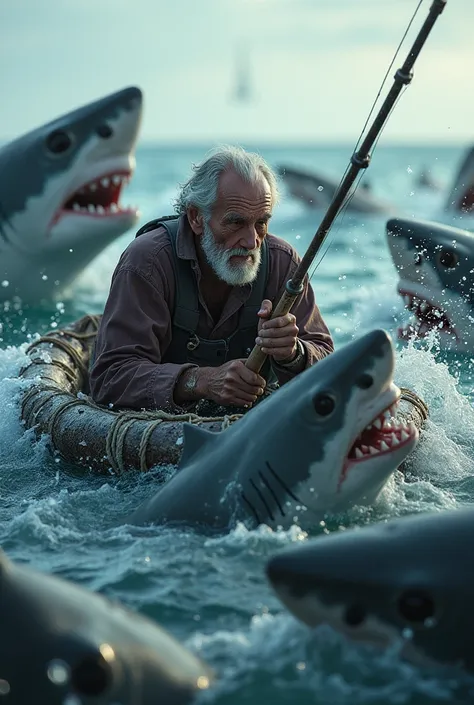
(91, 676)
(416, 606)
(448, 258)
(324, 404)
(105, 131)
(58, 141)
(365, 381)
(418, 259)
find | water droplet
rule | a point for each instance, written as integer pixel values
(44, 277)
(107, 651)
(72, 700)
(202, 682)
(409, 169)
(430, 622)
(58, 672)
(320, 188)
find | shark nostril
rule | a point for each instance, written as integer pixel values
(416, 606)
(105, 131)
(365, 381)
(91, 676)
(58, 141)
(355, 615)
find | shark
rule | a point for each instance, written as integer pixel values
(318, 191)
(460, 197)
(406, 582)
(435, 266)
(60, 188)
(61, 643)
(324, 442)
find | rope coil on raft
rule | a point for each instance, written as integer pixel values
(128, 435)
(420, 407)
(124, 420)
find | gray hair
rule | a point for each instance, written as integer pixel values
(200, 190)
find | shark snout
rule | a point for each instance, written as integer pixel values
(81, 647)
(109, 107)
(375, 359)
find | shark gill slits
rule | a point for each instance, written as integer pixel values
(105, 131)
(448, 258)
(354, 615)
(283, 484)
(324, 404)
(58, 142)
(272, 492)
(416, 606)
(365, 381)
(92, 675)
(262, 499)
(252, 509)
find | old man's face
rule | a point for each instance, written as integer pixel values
(232, 238)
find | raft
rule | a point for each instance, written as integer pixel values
(101, 439)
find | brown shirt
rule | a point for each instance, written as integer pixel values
(136, 325)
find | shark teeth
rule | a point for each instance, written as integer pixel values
(384, 435)
(100, 198)
(427, 316)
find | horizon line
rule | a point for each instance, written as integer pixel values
(284, 142)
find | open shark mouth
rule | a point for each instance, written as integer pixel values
(98, 198)
(427, 317)
(385, 434)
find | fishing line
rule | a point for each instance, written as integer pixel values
(388, 71)
(360, 160)
(344, 208)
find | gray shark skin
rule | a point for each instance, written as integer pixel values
(435, 266)
(426, 180)
(317, 191)
(58, 640)
(59, 195)
(460, 198)
(302, 452)
(407, 581)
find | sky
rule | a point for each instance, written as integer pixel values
(315, 67)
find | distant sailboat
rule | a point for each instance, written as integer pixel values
(242, 89)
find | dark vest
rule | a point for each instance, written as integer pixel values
(186, 345)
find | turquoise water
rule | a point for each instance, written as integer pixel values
(211, 592)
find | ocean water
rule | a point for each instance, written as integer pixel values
(211, 593)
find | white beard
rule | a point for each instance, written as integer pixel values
(218, 258)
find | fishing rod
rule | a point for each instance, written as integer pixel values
(359, 160)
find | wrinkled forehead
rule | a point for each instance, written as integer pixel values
(250, 199)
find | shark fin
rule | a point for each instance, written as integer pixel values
(194, 440)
